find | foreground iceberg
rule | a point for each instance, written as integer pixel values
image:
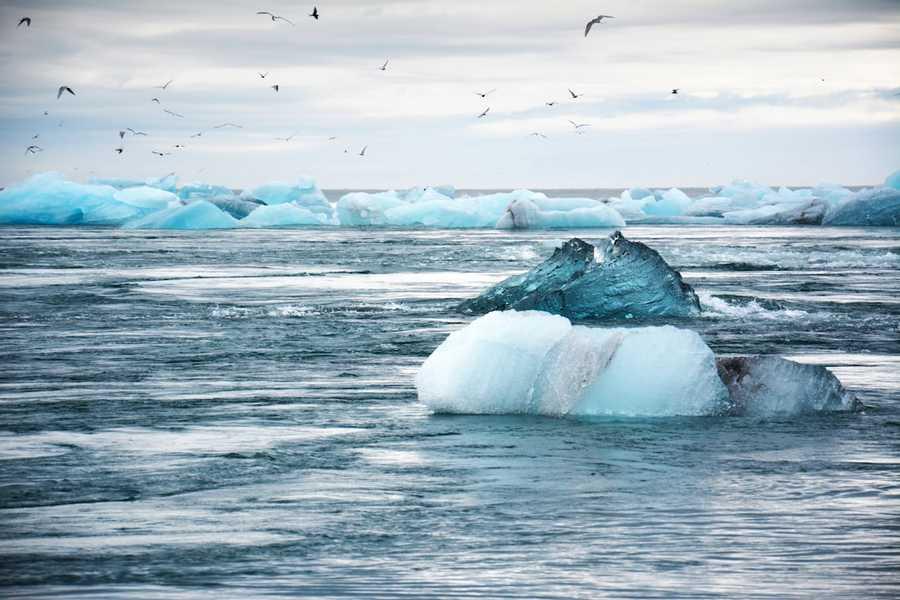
(196, 215)
(617, 278)
(48, 199)
(537, 363)
(540, 364)
(771, 385)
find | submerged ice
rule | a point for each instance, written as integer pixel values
(533, 362)
(617, 278)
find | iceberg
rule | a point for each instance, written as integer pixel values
(771, 385)
(304, 193)
(523, 213)
(536, 363)
(281, 215)
(144, 197)
(234, 206)
(48, 199)
(168, 183)
(873, 207)
(198, 190)
(196, 215)
(619, 278)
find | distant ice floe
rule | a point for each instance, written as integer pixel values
(49, 199)
(540, 364)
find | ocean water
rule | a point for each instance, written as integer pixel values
(232, 414)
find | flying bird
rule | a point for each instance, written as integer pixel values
(593, 22)
(553, 103)
(263, 75)
(485, 94)
(363, 151)
(179, 146)
(196, 135)
(174, 114)
(62, 89)
(121, 135)
(275, 17)
(384, 66)
(537, 134)
(26, 21)
(135, 132)
(574, 95)
(154, 100)
(158, 153)
(228, 125)
(315, 13)
(165, 85)
(119, 150)
(675, 91)
(332, 138)
(578, 126)
(33, 149)
(286, 139)
(275, 87)
(484, 114)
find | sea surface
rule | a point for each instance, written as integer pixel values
(232, 414)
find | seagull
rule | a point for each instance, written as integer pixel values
(119, 150)
(154, 100)
(165, 85)
(275, 87)
(485, 94)
(363, 151)
(574, 95)
(315, 13)
(133, 132)
(332, 138)
(228, 125)
(536, 134)
(384, 66)
(63, 88)
(286, 139)
(33, 149)
(275, 17)
(46, 113)
(26, 21)
(196, 135)
(553, 103)
(121, 135)
(156, 152)
(174, 114)
(179, 146)
(578, 126)
(593, 22)
(263, 75)
(675, 91)
(484, 114)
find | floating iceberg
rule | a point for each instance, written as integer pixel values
(521, 209)
(281, 215)
(304, 193)
(149, 198)
(48, 199)
(234, 206)
(196, 215)
(537, 363)
(771, 385)
(617, 278)
(203, 191)
(893, 181)
(874, 207)
(168, 182)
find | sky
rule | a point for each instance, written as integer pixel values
(783, 92)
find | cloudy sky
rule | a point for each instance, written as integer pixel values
(779, 91)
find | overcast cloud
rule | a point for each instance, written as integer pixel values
(779, 91)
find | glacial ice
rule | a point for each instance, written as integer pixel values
(893, 181)
(536, 363)
(304, 193)
(618, 278)
(48, 199)
(146, 197)
(523, 213)
(771, 385)
(168, 183)
(199, 214)
(280, 215)
(234, 206)
(873, 207)
(203, 191)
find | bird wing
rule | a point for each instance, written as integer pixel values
(363, 153)
(574, 95)
(590, 24)
(262, 12)
(283, 19)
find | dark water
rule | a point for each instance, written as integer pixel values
(232, 414)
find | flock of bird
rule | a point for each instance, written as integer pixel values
(65, 89)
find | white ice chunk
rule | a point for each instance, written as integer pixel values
(537, 363)
(281, 215)
(196, 215)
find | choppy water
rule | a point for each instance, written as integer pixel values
(225, 414)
